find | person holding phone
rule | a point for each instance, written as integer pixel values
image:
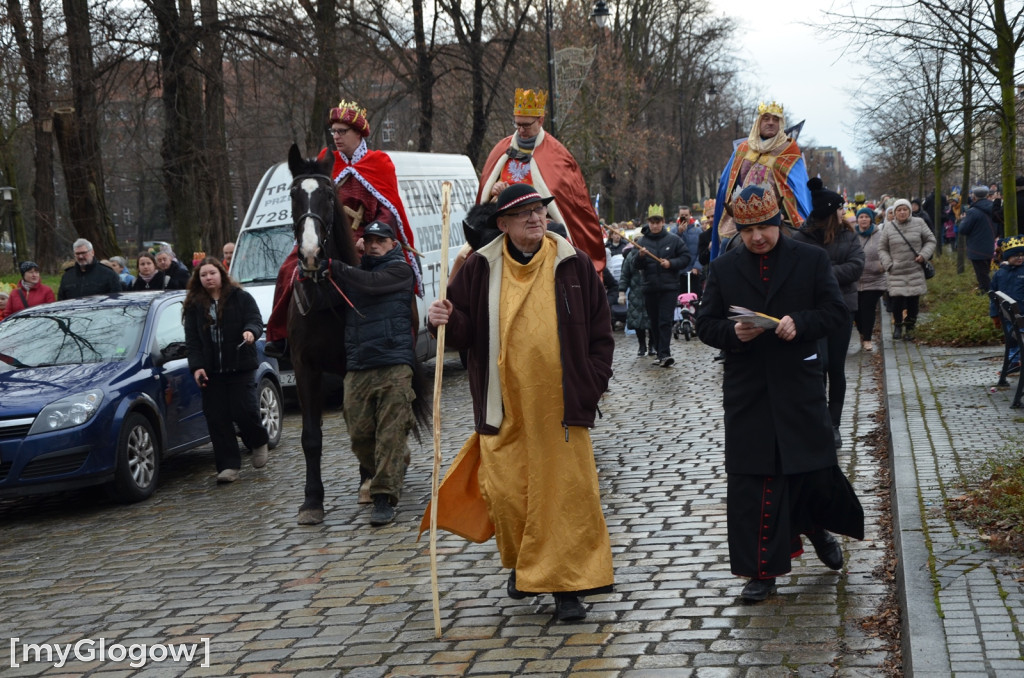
(222, 324)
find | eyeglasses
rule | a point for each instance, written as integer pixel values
(524, 215)
(525, 125)
(338, 131)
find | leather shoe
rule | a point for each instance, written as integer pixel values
(828, 549)
(513, 592)
(757, 590)
(569, 608)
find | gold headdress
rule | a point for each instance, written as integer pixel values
(530, 102)
(656, 212)
(755, 205)
(352, 114)
(1012, 246)
(773, 107)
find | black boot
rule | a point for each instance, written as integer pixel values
(897, 331)
(908, 329)
(383, 512)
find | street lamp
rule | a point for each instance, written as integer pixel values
(7, 193)
(600, 15)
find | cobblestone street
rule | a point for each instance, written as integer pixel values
(342, 598)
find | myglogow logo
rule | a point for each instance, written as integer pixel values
(135, 655)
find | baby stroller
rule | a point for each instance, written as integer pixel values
(685, 315)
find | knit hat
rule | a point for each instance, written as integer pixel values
(27, 266)
(823, 201)
(868, 211)
(350, 113)
(756, 206)
(1012, 246)
(902, 202)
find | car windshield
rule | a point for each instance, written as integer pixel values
(260, 252)
(71, 337)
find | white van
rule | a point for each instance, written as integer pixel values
(266, 236)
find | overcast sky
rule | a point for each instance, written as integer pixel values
(819, 83)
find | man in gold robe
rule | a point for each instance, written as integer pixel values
(532, 313)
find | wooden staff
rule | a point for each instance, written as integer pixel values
(643, 250)
(446, 209)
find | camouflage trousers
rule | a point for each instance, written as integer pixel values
(379, 416)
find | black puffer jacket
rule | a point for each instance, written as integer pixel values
(667, 246)
(378, 331)
(216, 349)
(96, 278)
(846, 254)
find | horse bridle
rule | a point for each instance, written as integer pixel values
(325, 229)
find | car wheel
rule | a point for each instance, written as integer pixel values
(138, 460)
(270, 410)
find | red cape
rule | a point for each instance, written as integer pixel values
(563, 179)
(378, 170)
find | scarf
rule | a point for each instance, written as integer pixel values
(149, 277)
(27, 285)
(521, 150)
(762, 146)
(866, 234)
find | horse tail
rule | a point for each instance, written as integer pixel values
(422, 408)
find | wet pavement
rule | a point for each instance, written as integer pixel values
(230, 565)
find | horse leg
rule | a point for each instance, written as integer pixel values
(312, 510)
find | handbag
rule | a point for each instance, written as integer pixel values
(926, 266)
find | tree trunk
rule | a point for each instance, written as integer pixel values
(220, 227)
(1005, 60)
(77, 139)
(34, 58)
(327, 83)
(424, 80)
(182, 123)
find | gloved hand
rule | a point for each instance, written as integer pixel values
(622, 298)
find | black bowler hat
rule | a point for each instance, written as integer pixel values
(515, 196)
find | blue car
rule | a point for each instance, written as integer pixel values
(96, 391)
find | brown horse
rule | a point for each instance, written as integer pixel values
(316, 325)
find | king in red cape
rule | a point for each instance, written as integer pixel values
(532, 156)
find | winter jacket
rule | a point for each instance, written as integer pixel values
(39, 294)
(584, 331)
(979, 229)
(378, 330)
(667, 246)
(95, 278)
(845, 253)
(633, 282)
(873, 278)
(1008, 280)
(159, 282)
(691, 236)
(177, 276)
(906, 278)
(216, 348)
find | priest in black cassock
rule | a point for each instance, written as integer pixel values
(780, 457)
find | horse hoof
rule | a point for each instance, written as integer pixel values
(311, 516)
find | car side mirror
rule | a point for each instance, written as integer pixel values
(175, 350)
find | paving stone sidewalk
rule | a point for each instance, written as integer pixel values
(274, 598)
(963, 604)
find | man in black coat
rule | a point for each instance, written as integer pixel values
(87, 276)
(780, 456)
(978, 230)
(661, 280)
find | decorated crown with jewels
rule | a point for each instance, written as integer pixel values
(773, 107)
(754, 205)
(530, 102)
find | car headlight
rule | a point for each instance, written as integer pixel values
(67, 412)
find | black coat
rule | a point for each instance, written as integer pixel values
(979, 229)
(177, 276)
(847, 257)
(667, 246)
(772, 391)
(159, 282)
(220, 351)
(96, 278)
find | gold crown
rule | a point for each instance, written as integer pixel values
(756, 209)
(1013, 243)
(530, 102)
(356, 109)
(656, 211)
(773, 107)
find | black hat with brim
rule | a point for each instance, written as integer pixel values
(515, 196)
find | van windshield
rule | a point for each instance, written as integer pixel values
(260, 252)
